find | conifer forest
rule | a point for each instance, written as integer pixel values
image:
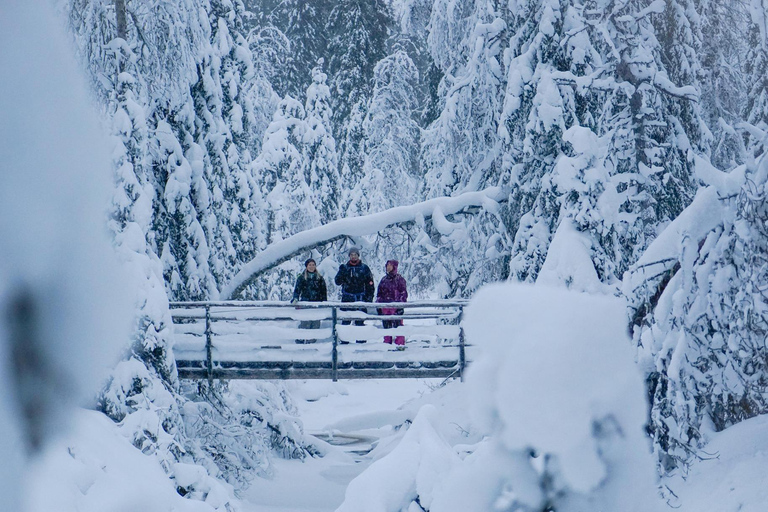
(586, 179)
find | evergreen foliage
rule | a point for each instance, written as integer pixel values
(599, 120)
(320, 149)
(701, 332)
(185, 105)
(390, 169)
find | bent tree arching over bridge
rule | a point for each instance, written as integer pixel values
(255, 339)
(433, 209)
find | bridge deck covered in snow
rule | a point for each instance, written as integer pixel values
(257, 340)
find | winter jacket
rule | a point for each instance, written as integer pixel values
(310, 287)
(392, 288)
(356, 282)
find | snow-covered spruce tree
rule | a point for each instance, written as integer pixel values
(703, 341)
(281, 171)
(140, 393)
(679, 34)
(358, 31)
(390, 169)
(667, 130)
(148, 116)
(411, 36)
(167, 37)
(298, 178)
(619, 89)
(125, 84)
(756, 70)
(303, 24)
(183, 200)
(559, 171)
(699, 301)
(228, 99)
(723, 87)
(390, 173)
(413, 19)
(462, 149)
(320, 149)
(131, 220)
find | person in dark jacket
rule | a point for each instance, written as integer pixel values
(356, 281)
(310, 287)
(392, 288)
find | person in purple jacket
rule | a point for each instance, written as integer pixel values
(392, 288)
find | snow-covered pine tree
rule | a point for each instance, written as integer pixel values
(320, 149)
(390, 169)
(462, 149)
(144, 82)
(228, 99)
(358, 31)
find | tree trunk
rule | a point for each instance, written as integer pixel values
(122, 31)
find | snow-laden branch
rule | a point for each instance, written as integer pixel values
(357, 226)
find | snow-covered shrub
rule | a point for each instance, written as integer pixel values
(556, 379)
(557, 402)
(239, 426)
(406, 478)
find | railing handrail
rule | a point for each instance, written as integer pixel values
(208, 306)
(447, 303)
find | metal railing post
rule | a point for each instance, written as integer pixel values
(334, 351)
(208, 345)
(462, 354)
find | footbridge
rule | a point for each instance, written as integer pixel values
(279, 340)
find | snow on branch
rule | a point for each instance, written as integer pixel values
(663, 83)
(284, 250)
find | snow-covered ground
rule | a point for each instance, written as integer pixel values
(734, 478)
(354, 417)
(93, 468)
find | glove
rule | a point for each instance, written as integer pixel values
(399, 311)
(294, 301)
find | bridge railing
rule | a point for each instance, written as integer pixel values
(308, 340)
